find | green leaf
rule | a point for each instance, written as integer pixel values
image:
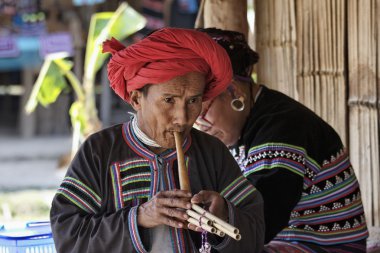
(50, 82)
(97, 24)
(122, 23)
(125, 22)
(64, 65)
(78, 114)
(52, 85)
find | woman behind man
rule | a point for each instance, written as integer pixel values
(296, 160)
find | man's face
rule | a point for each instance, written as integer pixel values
(170, 106)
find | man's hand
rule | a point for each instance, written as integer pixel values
(166, 207)
(213, 202)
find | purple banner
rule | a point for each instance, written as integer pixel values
(56, 42)
(8, 47)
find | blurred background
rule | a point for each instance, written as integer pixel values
(35, 147)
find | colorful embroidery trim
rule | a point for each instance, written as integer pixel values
(116, 186)
(325, 238)
(80, 194)
(133, 230)
(275, 155)
(238, 190)
(131, 180)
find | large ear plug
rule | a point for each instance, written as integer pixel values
(237, 104)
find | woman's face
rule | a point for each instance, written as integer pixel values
(169, 106)
(220, 120)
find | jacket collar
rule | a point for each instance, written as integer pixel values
(137, 146)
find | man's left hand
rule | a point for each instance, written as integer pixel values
(211, 201)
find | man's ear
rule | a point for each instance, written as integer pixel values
(135, 98)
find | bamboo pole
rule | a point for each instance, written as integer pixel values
(276, 44)
(309, 59)
(300, 48)
(354, 119)
(320, 83)
(364, 101)
(330, 110)
(293, 49)
(376, 150)
(317, 26)
(340, 61)
(364, 55)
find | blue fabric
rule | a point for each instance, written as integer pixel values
(28, 57)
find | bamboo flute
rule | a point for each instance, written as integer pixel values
(220, 233)
(204, 226)
(184, 184)
(199, 216)
(184, 181)
(215, 219)
(220, 224)
(230, 233)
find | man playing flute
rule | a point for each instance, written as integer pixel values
(121, 192)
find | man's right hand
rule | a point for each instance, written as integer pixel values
(166, 207)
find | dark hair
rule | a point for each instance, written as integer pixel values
(241, 55)
(144, 90)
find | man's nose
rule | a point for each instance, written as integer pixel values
(180, 115)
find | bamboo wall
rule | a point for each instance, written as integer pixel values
(364, 103)
(301, 47)
(326, 54)
(276, 43)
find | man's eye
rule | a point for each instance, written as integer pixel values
(169, 100)
(193, 100)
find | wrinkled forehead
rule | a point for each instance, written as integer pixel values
(190, 84)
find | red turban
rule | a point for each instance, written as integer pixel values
(165, 54)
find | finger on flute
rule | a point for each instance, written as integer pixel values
(184, 181)
(204, 226)
(230, 233)
(215, 219)
(199, 217)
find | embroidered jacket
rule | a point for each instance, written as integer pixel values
(113, 173)
(298, 163)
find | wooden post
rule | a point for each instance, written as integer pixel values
(275, 28)
(224, 14)
(364, 107)
(27, 123)
(106, 98)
